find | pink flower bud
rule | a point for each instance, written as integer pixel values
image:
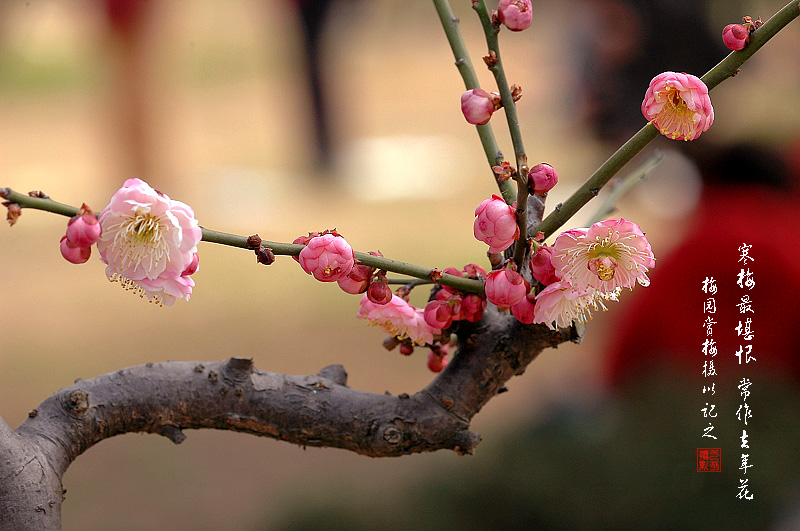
(542, 267)
(542, 178)
(477, 106)
(328, 257)
(438, 314)
(74, 254)
(524, 309)
(505, 288)
(83, 230)
(356, 280)
(193, 266)
(496, 224)
(515, 14)
(437, 360)
(472, 307)
(406, 348)
(735, 36)
(379, 291)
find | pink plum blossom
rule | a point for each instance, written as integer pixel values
(542, 267)
(83, 230)
(525, 309)
(678, 105)
(327, 257)
(515, 14)
(611, 254)
(73, 253)
(477, 106)
(559, 304)
(399, 319)
(148, 241)
(505, 288)
(542, 178)
(735, 36)
(496, 224)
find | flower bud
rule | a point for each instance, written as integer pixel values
(496, 224)
(438, 314)
(472, 307)
(542, 178)
(515, 14)
(83, 230)
(356, 280)
(74, 254)
(406, 348)
(505, 288)
(735, 36)
(379, 291)
(477, 106)
(437, 360)
(542, 267)
(524, 309)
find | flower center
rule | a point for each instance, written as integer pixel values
(676, 118)
(140, 239)
(603, 267)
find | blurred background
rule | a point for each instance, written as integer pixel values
(281, 118)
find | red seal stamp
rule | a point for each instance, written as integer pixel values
(709, 460)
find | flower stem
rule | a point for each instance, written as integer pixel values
(451, 29)
(293, 249)
(726, 68)
(510, 108)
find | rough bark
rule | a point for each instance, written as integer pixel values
(319, 410)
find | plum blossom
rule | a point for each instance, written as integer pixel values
(478, 106)
(327, 257)
(610, 254)
(678, 105)
(399, 319)
(735, 36)
(559, 304)
(496, 224)
(149, 242)
(515, 14)
(505, 288)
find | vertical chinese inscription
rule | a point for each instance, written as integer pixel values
(745, 332)
(709, 459)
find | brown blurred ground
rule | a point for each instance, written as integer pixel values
(227, 130)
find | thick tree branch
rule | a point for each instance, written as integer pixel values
(319, 410)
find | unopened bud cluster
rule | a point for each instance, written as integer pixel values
(83, 231)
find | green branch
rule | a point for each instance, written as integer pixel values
(451, 29)
(278, 248)
(510, 107)
(726, 68)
